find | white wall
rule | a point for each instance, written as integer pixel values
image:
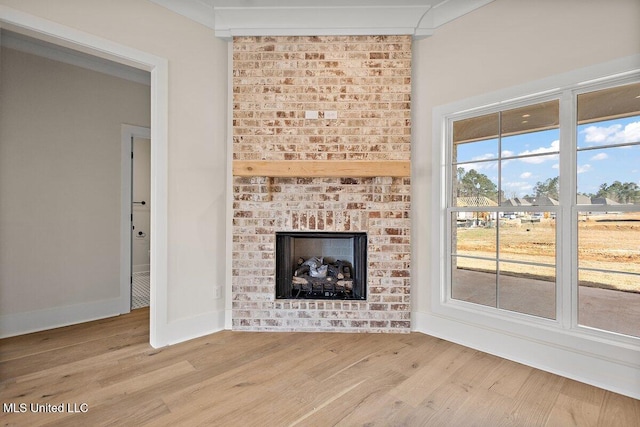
(60, 188)
(504, 44)
(197, 86)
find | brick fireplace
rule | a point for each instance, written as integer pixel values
(360, 87)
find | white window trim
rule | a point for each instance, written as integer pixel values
(562, 337)
(445, 295)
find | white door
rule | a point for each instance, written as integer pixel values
(140, 221)
(141, 205)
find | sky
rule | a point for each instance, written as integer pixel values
(595, 167)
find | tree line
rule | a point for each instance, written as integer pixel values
(474, 184)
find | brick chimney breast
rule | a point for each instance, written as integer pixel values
(366, 80)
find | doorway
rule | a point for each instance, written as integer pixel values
(135, 280)
(158, 68)
(140, 221)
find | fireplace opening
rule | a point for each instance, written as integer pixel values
(321, 265)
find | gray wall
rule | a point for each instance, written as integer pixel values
(60, 188)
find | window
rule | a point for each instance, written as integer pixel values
(541, 210)
(504, 202)
(608, 208)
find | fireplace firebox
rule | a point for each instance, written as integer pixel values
(321, 265)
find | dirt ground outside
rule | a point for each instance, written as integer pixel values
(609, 242)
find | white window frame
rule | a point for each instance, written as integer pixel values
(587, 87)
(564, 331)
(446, 296)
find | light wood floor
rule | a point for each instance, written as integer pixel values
(285, 379)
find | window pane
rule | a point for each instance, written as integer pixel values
(475, 151)
(534, 179)
(531, 118)
(473, 234)
(609, 132)
(610, 241)
(610, 176)
(608, 309)
(616, 102)
(473, 280)
(527, 289)
(476, 129)
(609, 299)
(528, 236)
(526, 144)
(530, 134)
(476, 185)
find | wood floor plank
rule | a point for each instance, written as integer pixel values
(431, 375)
(60, 355)
(577, 405)
(583, 392)
(283, 379)
(203, 353)
(571, 412)
(449, 401)
(535, 401)
(507, 378)
(44, 341)
(339, 407)
(618, 410)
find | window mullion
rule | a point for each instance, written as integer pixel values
(498, 215)
(566, 254)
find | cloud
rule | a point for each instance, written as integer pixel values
(614, 134)
(553, 148)
(507, 153)
(600, 134)
(556, 166)
(584, 168)
(600, 156)
(539, 159)
(479, 166)
(487, 156)
(525, 175)
(517, 186)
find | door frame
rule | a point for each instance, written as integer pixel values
(43, 29)
(128, 132)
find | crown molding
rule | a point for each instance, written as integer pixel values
(230, 18)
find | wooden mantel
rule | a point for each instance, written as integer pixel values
(322, 168)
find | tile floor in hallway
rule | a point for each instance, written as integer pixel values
(140, 290)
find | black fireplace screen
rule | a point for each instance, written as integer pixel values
(321, 265)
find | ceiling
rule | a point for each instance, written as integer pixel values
(229, 18)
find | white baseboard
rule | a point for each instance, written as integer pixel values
(193, 327)
(228, 319)
(579, 365)
(55, 317)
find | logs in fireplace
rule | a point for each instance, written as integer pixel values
(321, 265)
(314, 277)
